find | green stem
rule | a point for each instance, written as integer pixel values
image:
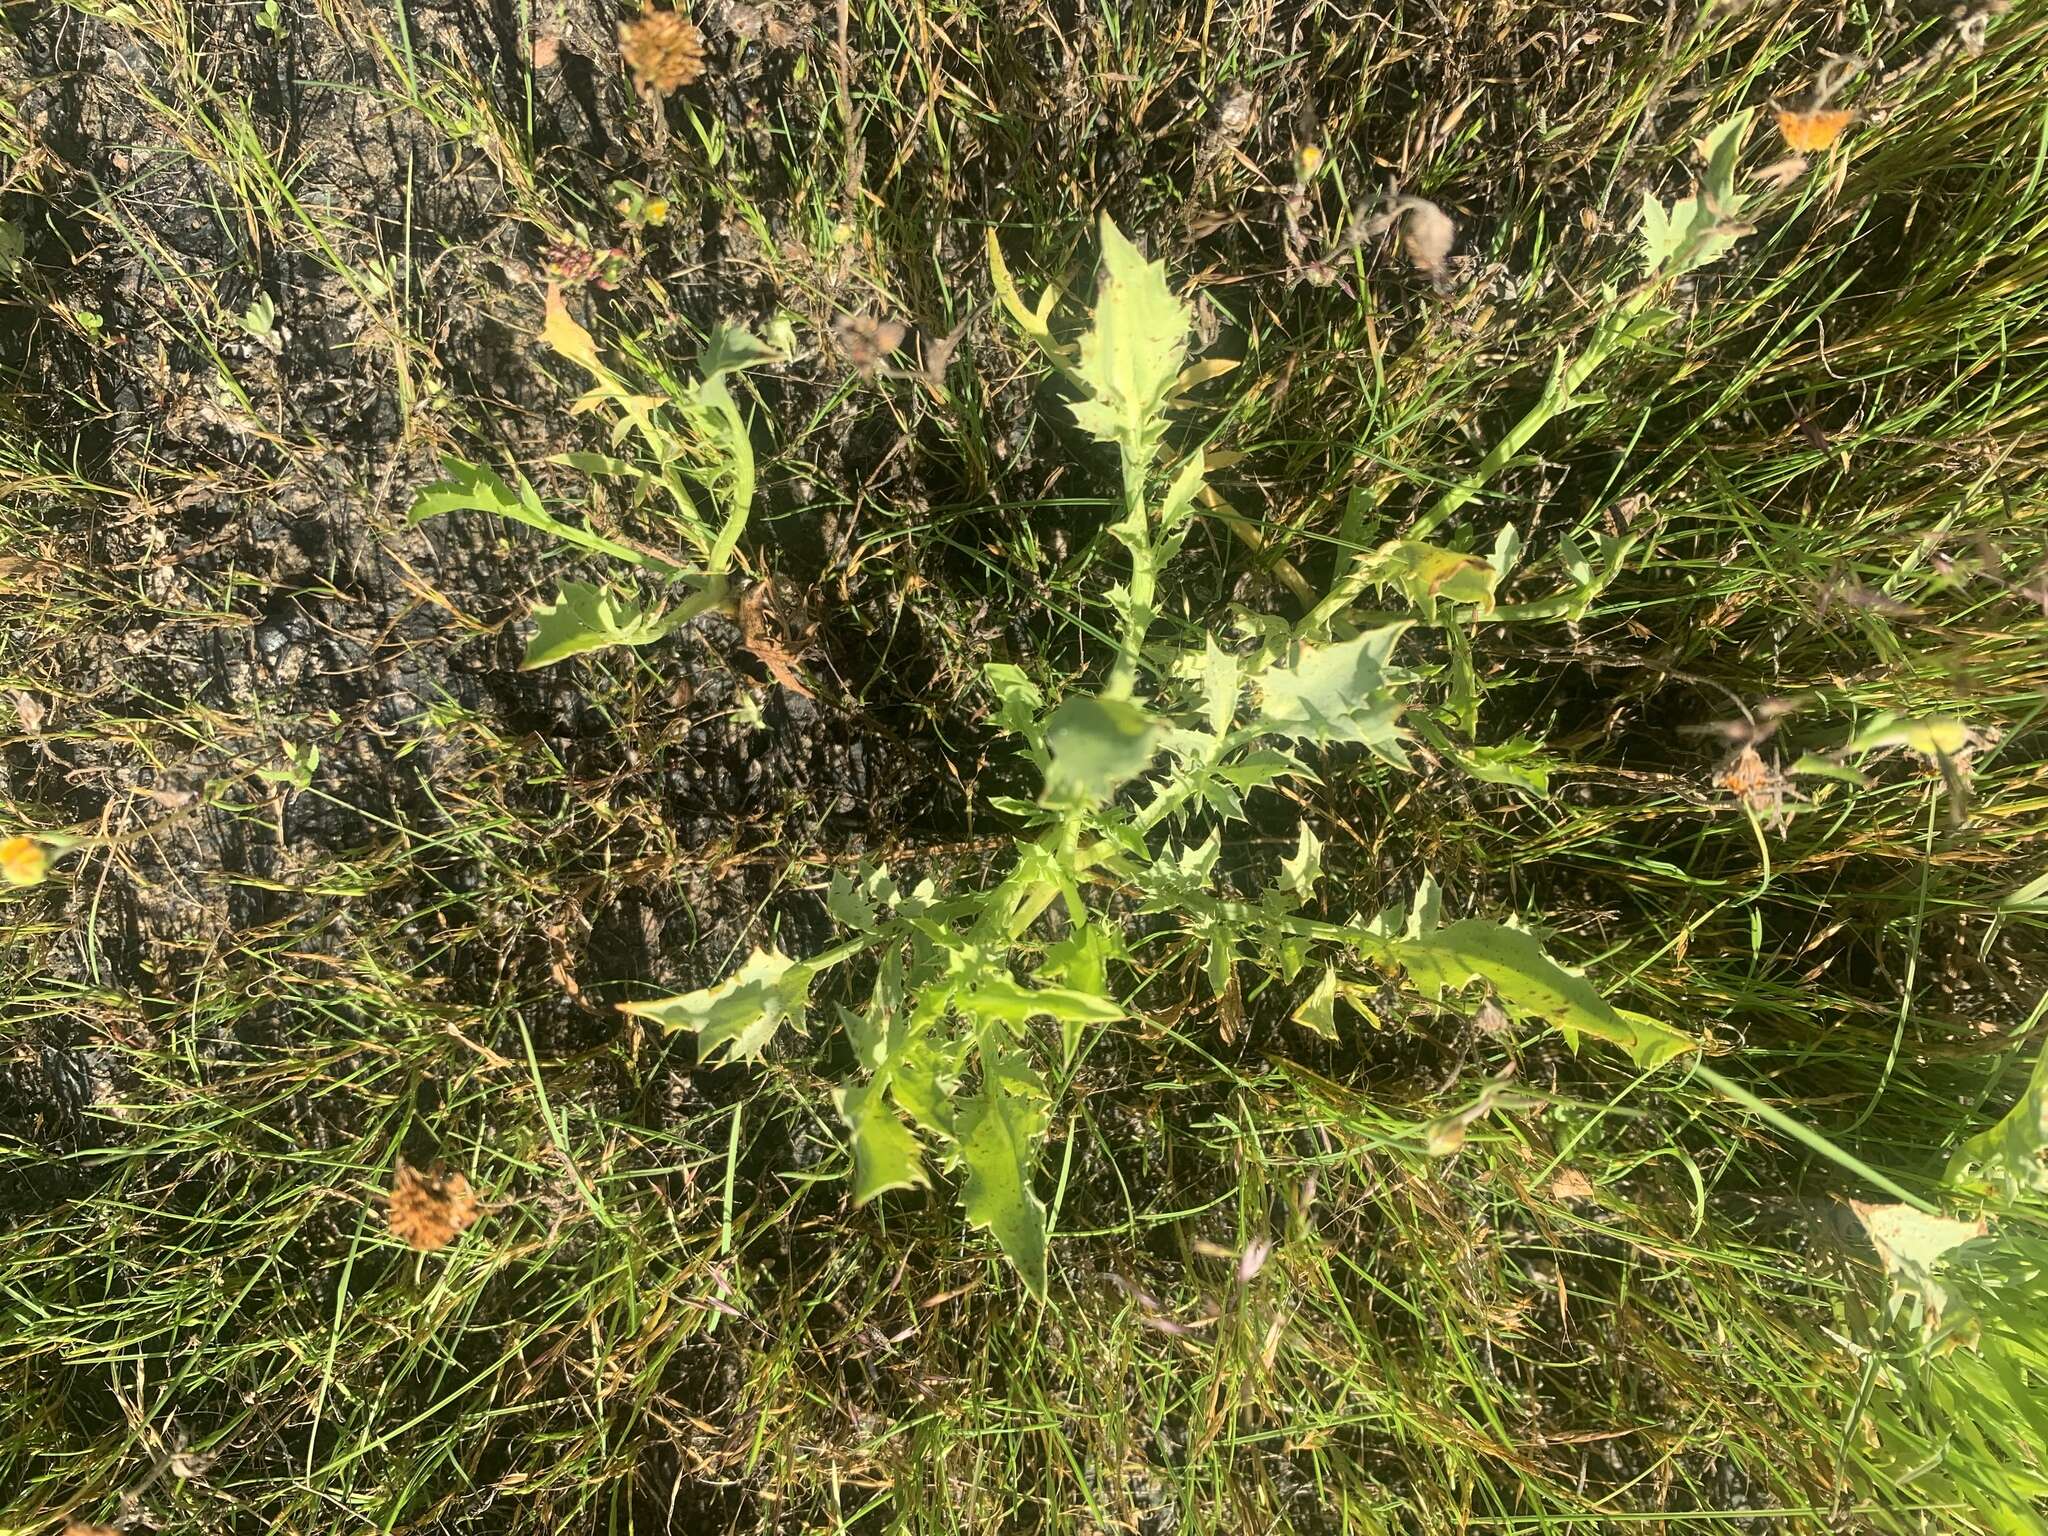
(1136, 533)
(1557, 397)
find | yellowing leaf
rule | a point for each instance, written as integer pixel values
(1133, 355)
(1318, 1011)
(560, 331)
(1427, 573)
(741, 1014)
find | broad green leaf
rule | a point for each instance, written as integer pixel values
(2011, 1158)
(1912, 1244)
(1318, 1011)
(587, 618)
(1427, 574)
(1340, 692)
(1134, 352)
(886, 1153)
(1004, 1000)
(997, 1133)
(1096, 744)
(1299, 873)
(741, 1014)
(1531, 985)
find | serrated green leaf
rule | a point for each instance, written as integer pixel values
(1340, 692)
(997, 1132)
(1299, 873)
(886, 1153)
(1703, 227)
(587, 618)
(1019, 701)
(1002, 999)
(1218, 679)
(1530, 985)
(1096, 744)
(1134, 352)
(741, 1014)
(848, 903)
(2011, 1158)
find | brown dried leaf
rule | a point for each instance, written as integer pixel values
(430, 1208)
(764, 643)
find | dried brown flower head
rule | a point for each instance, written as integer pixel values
(430, 1207)
(866, 341)
(665, 51)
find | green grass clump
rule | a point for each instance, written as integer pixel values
(1744, 723)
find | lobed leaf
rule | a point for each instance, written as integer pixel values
(1132, 356)
(742, 1013)
(1529, 984)
(998, 1131)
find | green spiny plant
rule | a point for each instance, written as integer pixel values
(689, 447)
(1140, 782)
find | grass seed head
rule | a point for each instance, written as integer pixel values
(430, 1208)
(665, 51)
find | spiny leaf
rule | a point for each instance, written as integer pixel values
(1530, 984)
(886, 1153)
(1318, 1011)
(1339, 692)
(1132, 356)
(1299, 873)
(1698, 229)
(741, 1014)
(998, 1131)
(1427, 573)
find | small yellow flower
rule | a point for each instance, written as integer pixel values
(23, 861)
(1308, 159)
